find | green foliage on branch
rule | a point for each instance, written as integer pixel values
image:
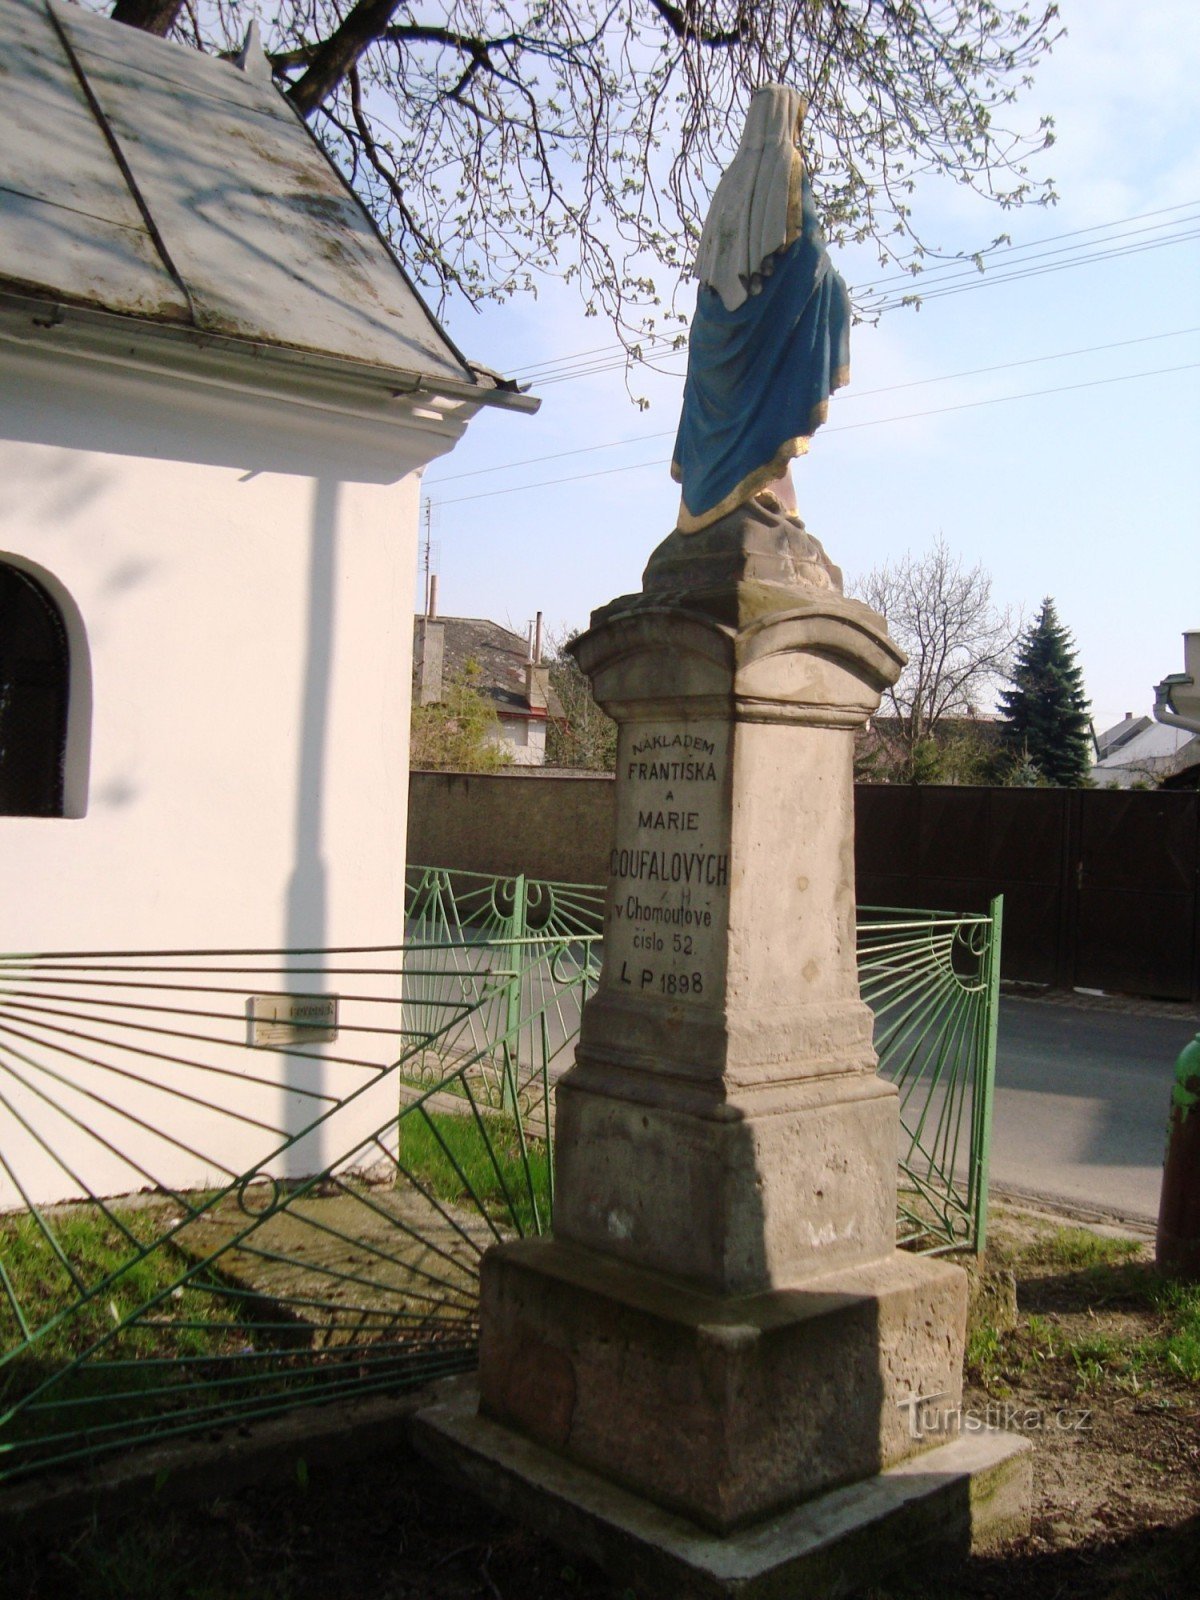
(585, 737)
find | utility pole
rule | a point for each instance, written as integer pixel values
(1177, 1244)
(428, 550)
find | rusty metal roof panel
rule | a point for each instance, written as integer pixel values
(231, 215)
(69, 225)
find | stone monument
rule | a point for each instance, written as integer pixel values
(720, 1376)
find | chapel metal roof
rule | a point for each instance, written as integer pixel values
(142, 178)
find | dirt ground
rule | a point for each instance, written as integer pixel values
(1078, 1366)
(1116, 1450)
(1116, 1439)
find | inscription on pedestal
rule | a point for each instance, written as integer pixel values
(669, 868)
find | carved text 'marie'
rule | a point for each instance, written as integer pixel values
(670, 821)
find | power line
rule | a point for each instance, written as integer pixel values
(860, 394)
(964, 285)
(1057, 266)
(843, 427)
(959, 266)
(969, 264)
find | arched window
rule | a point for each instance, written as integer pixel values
(35, 666)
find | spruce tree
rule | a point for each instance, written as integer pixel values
(1046, 711)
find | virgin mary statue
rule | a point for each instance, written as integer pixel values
(770, 339)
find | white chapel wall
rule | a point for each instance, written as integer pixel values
(247, 612)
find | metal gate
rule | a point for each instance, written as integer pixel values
(933, 982)
(1135, 910)
(1101, 887)
(300, 1217)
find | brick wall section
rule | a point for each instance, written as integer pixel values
(543, 823)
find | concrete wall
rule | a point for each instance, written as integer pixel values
(546, 825)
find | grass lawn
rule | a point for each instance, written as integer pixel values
(70, 1282)
(1101, 1308)
(481, 1164)
(1097, 1359)
(101, 1342)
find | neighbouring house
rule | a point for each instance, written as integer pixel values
(512, 676)
(217, 393)
(1138, 751)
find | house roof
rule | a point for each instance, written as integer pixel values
(1123, 733)
(1139, 749)
(143, 179)
(1141, 739)
(501, 656)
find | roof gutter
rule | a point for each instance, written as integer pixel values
(1177, 697)
(49, 315)
(1164, 711)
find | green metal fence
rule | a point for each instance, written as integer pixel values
(933, 982)
(520, 1019)
(302, 1219)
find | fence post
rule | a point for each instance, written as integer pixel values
(512, 997)
(985, 1090)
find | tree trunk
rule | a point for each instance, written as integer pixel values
(334, 57)
(151, 16)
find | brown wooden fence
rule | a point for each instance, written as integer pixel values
(1101, 888)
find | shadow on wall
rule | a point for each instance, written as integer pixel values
(55, 488)
(306, 916)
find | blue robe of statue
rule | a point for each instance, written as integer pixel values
(759, 377)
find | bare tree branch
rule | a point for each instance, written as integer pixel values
(959, 645)
(336, 55)
(686, 23)
(499, 140)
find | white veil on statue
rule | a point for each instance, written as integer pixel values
(770, 337)
(756, 210)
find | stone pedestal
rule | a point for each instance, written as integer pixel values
(725, 1408)
(723, 1122)
(722, 1324)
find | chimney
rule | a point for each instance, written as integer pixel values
(431, 605)
(537, 676)
(428, 653)
(537, 683)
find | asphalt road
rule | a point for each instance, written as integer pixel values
(1081, 1103)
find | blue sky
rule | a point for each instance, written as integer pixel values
(1090, 494)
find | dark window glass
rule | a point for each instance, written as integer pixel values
(34, 665)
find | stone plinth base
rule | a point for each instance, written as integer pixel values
(731, 1193)
(960, 1498)
(721, 1408)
